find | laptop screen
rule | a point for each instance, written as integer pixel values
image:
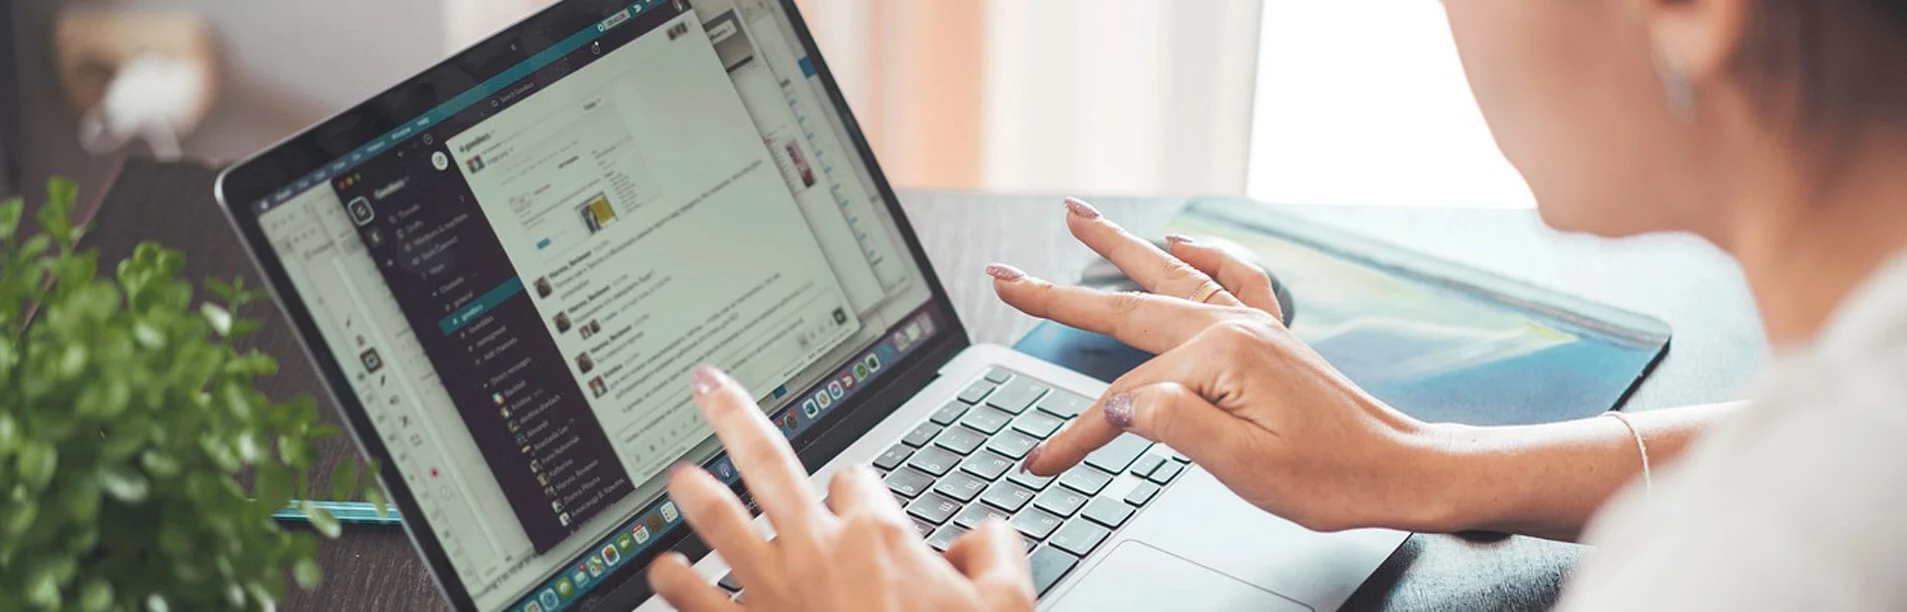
(517, 283)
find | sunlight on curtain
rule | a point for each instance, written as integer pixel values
(1364, 102)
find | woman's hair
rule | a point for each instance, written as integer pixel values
(1830, 63)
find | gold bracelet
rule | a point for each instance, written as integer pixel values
(1648, 484)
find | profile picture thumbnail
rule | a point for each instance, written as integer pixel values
(584, 363)
(597, 213)
(544, 288)
(598, 388)
(562, 322)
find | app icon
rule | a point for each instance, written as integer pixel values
(873, 363)
(611, 556)
(564, 589)
(580, 575)
(595, 567)
(790, 421)
(532, 607)
(624, 542)
(548, 597)
(823, 398)
(860, 371)
(361, 212)
(847, 381)
(668, 512)
(810, 408)
(834, 389)
(642, 534)
(654, 522)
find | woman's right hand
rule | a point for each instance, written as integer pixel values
(1235, 391)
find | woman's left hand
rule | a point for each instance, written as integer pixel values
(857, 553)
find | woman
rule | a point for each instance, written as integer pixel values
(1776, 129)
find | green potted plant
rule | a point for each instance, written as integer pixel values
(139, 463)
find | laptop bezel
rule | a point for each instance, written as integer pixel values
(242, 185)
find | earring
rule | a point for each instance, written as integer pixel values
(1679, 90)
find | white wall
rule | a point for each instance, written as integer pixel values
(1364, 102)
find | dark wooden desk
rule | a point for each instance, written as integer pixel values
(1718, 346)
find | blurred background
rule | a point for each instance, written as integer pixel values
(1309, 101)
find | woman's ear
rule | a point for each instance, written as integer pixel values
(1695, 39)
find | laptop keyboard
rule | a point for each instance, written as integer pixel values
(961, 466)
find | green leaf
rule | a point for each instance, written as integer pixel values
(10, 212)
(37, 462)
(344, 479)
(9, 435)
(307, 573)
(219, 317)
(43, 588)
(96, 596)
(375, 495)
(124, 483)
(272, 486)
(322, 520)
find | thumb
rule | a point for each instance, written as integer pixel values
(1172, 414)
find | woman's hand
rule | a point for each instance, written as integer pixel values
(1234, 390)
(858, 553)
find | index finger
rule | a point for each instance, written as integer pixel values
(768, 466)
(1151, 323)
(1155, 270)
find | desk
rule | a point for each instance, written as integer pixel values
(1717, 348)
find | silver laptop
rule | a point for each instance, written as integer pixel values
(506, 266)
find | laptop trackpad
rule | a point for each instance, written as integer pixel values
(1137, 576)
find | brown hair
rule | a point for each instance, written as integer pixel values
(1823, 63)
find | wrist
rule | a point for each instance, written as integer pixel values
(1465, 479)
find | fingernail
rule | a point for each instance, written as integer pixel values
(1081, 208)
(705, 379)
(1031, 456)
(1178, 239)
(1005, 272)
(1119, 410)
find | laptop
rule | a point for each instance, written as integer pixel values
(505, 268)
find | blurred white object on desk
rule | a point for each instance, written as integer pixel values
(136, 75)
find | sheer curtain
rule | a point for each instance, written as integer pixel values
(1365, 102)
(1077, 96)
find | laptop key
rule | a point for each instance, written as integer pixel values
(729, 583)
(987, 420)
(1007, 496)
(1038, 424)
(921, 435)
(1106, 511)
(949, 413)
(923, 528)
(1116, 455)
(1144, 466)
(1049, 565)
(1085, 479)
(1062, 404)
(894, 457)
(961, 486)
(909, 483)
(1142, 494)
(976, 392)
(998, 376)
(986, 465)
(1036, 523)
(1017, 395)
(1167, 472)
(933, 508)
(960, 440)
(1079, 537)
(934, 460)
(1014, 444)
(1030, 480)
(1060, 500)
(945, 537)
(976, 514)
